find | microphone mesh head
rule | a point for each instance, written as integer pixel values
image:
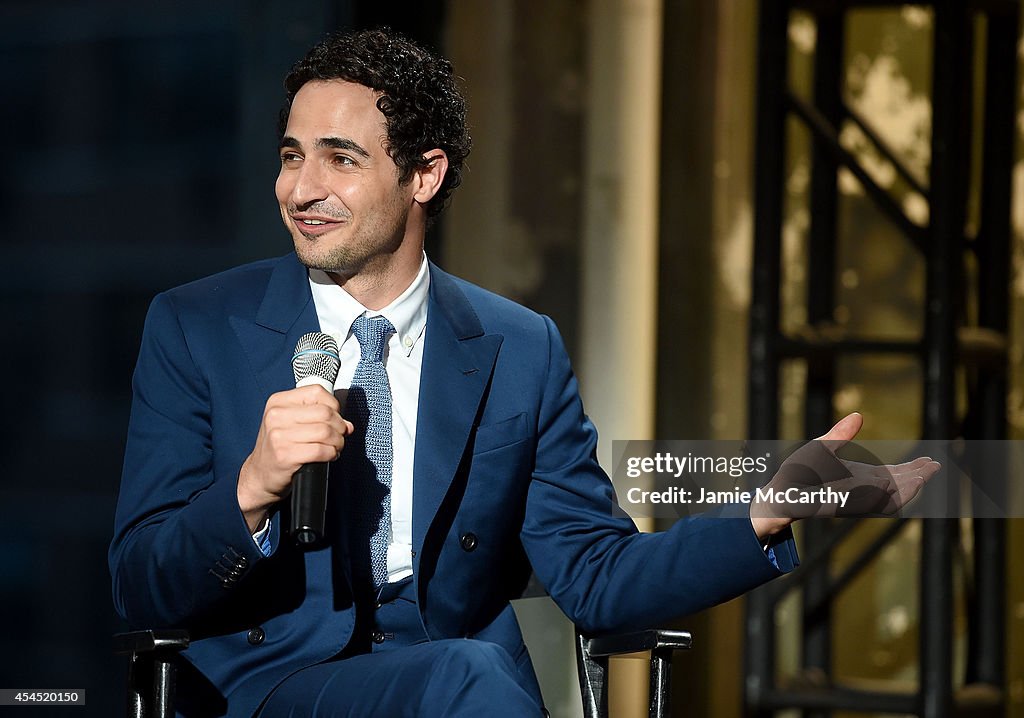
(316, 354)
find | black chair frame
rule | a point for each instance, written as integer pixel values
(152, 654)
(592, 656)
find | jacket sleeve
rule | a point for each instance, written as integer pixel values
(180, 543)
(604, 574)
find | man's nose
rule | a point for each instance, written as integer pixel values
(309, 185)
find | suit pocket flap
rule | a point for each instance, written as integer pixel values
(501, 433)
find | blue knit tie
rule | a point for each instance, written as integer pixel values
(367, 455)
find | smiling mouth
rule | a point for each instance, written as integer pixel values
(314, 227)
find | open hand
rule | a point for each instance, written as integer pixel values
(813, 481)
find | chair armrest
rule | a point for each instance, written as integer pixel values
(650, 640)
(160, 641)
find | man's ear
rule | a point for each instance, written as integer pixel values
(429, 177)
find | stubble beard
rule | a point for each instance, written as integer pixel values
(340, 259)
(350, 255)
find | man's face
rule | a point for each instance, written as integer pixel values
(338, 190)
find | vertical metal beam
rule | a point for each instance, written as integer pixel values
(995, 234)
(762, 419)
(936, 644)
(949, 148)
(824, 201)
(987, 643)
(821, 284)
(949, 154)
(769, 170)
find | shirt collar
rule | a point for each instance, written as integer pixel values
(337, 309)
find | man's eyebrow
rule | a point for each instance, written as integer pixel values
(334, 143)
(341, 143)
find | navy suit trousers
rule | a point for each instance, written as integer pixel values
(391, 669)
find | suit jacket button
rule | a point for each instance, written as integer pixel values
(377, 637)
(256, 636)
(468, 542)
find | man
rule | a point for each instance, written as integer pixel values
(461, 454)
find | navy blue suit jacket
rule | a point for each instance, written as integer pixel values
(503, 451)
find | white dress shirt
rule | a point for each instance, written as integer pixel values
(336, 309)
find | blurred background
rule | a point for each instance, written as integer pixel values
(626, 172)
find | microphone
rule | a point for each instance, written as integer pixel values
(315, 361)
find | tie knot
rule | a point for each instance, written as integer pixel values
(372, 335)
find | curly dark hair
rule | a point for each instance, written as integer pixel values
(420, 100)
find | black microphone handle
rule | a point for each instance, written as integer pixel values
(309, 504)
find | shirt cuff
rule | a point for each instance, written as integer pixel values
(262, 537)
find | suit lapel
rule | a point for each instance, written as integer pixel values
(458, 359)
(285, 314)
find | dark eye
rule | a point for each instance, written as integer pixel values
(344, 160)
(287, 157)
